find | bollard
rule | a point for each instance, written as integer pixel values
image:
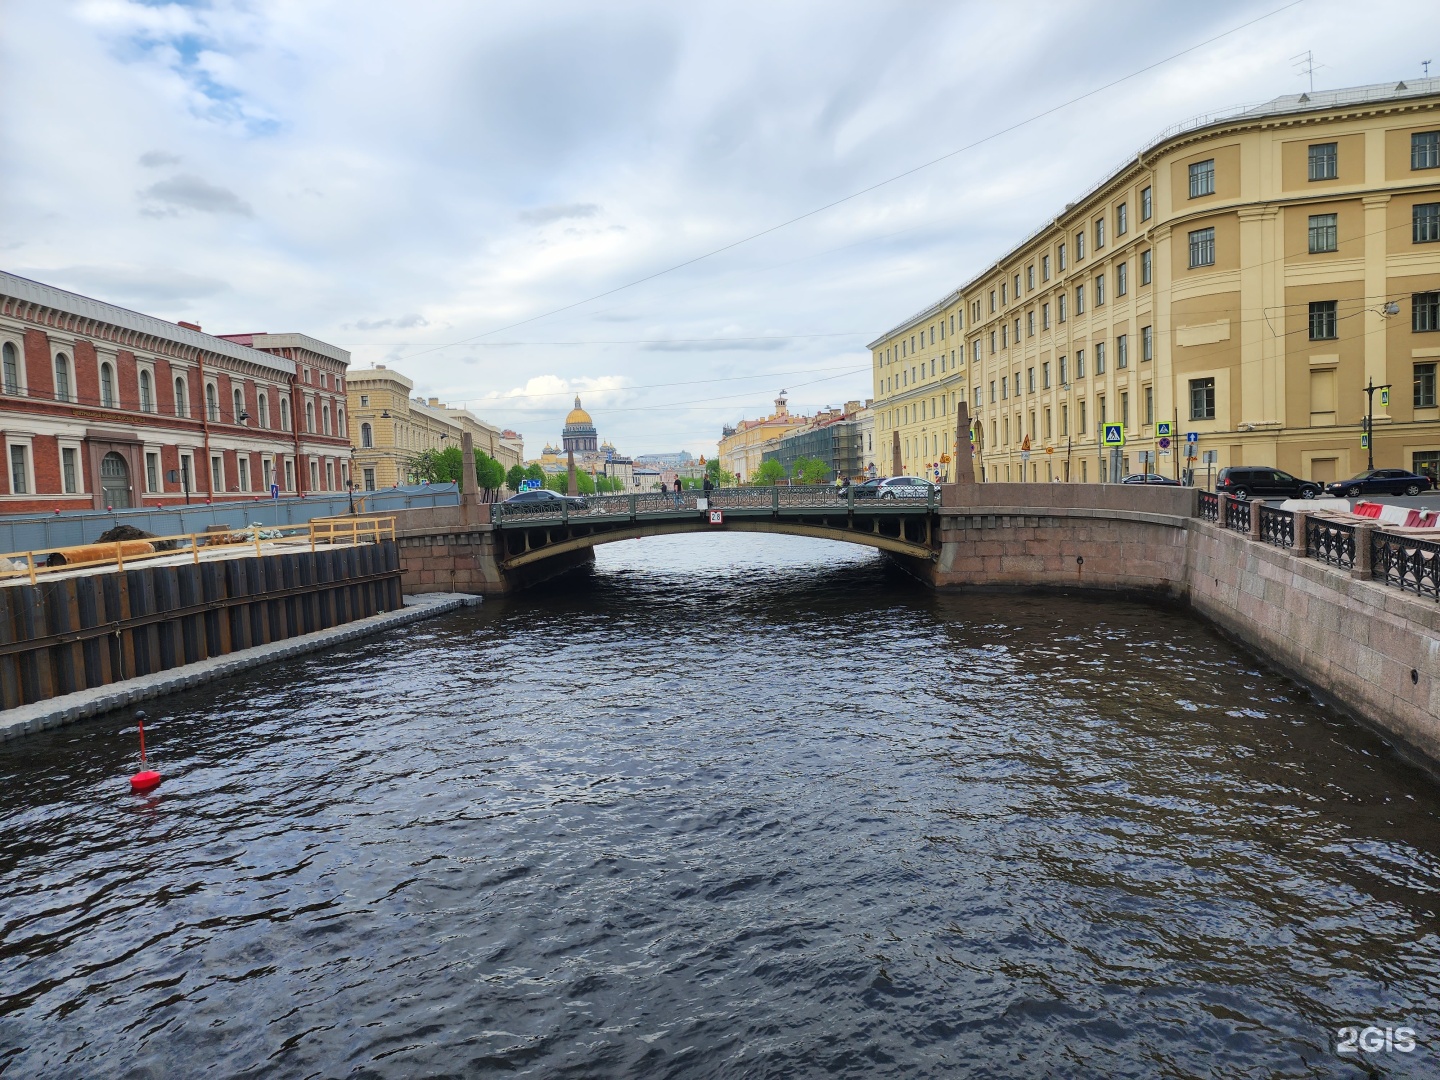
(1361, 569)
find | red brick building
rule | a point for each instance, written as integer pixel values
(101, 406)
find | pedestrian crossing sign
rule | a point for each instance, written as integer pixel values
(1162, 427)
(1112, 434)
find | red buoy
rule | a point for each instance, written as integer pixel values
(146, 778)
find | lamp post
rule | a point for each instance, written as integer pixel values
(1370, 389)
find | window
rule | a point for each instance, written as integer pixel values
(1005, 389)
(1080, 244)
(69, 470)
(1122, 219)
(1099, 289)
(1202, 399)
(1122, 278)
(242, 463)
(1062, 300)
(289, 473)
(1324, 161)
(285, 419)
(1079, 363)
(1045, 316)
(19, 471)
(1100, 358)
(217, 473)
(12, 369)
(340, 419)
(1030, 276)
(1322, 320)
(329, 475)
(1083, 410)
(309, 417)
(1017, 287)
(62, 378)
(1125, 408)
(1079, 299)
(107, 385)
(1064, 419)
(212, 403)
(1030, 324)
(1122, 351)
(1427, 222)
(1004, 299)
(992, 301)
(1145, 272)
(1045, 268)
(1426, 463)
(1202, 178)
(147, 393)
(1045, 374)
(1063, 263)
(1149, 405)
(1323, 233)
(152, 473)
(1424, 386)
(181, 404)
(325, 416)
(1064, 376)
(1030, 380)
(1099, 233)
(314, 476)
(262, 404)
(977, 397)
(1425, 312)
(369, 479)
(1147, 343)
(1202, 247)
(1100, 409)
(1146, 205)
(1425, 150)
(992, 391)
(976, 350)
(239, 398)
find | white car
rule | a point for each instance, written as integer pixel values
(904, 487)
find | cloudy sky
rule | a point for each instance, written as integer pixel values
(469, 191)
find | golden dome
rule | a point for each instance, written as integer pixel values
(578, 415)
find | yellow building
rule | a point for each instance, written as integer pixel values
(1243, 279)
(388, 427)
(742, 447)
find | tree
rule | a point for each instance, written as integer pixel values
(810, 470)
(769, 472)
(718, 476)
(514, 477)
(534, 472)
(561, 482)
(489, 473)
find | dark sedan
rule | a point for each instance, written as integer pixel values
(1381, 482)
(866, 489)
(541, 499)
(1149, 478)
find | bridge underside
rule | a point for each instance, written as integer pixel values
(904, 535)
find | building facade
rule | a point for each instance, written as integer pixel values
(593, 457)
(842, 438)
(742, 446)
(101, 407)
(1242, 280)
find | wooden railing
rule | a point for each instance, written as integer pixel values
(351, 530)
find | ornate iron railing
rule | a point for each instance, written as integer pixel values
(1276, 526)
(1406, 563)
(1330, 542)
(1237, 515)
(775, 498)
(1210, 506)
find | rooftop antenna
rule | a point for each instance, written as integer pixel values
(1426, 65)
(1306, 63)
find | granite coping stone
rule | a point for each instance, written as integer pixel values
(82, 704)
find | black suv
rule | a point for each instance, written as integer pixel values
(1243, 482)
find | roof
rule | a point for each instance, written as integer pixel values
(378, 374)
(299, 341)
(35, 292)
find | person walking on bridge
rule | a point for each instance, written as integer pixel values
(679, 499)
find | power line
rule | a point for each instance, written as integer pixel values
(871, 188)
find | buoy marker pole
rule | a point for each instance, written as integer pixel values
(145, 779)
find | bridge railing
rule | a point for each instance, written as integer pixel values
(639, 504)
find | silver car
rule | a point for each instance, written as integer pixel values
(904, 487)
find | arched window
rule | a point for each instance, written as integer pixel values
(367, 436)
(182, 403)
(212, 403)
(107, 386)
(285, 417)
(239, 406)
(147, 394)
(263, 403)
(12, 369)
(62, 377)
(339, 420)
(309, 418)
(325, 417)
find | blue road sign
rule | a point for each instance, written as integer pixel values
(1162, 427)
(1113, 435)
(275, 491)
(1192, 436)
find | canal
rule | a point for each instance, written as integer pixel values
(728, 806)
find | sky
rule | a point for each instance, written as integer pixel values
(515, 203)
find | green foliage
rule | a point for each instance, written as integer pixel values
(769, 472)
(445, 467)
(561, 482)
(514, 477)
(809, 470)
(718, 476)
(534, 472)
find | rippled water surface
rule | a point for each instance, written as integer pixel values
(727, 806)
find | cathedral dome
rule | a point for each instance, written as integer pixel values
(578, 416)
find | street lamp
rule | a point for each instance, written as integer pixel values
(1370, 389)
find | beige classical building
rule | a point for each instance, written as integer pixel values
(388, 427)
(742, 446)
(1243, 279)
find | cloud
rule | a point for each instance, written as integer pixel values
(146, 287)
(402, 322)
(544, 215)
(153, 159)
(741, 345)
(167, 198)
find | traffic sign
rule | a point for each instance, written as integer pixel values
(1164, 444)
(1145, 457)
(1384, 396)
(1162, 427)
(1112, 435)
(1365, 442)
(275, 491)
(1192, 436)
(1049, 449)
(717, 517)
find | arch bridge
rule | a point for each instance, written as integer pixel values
(526, 533)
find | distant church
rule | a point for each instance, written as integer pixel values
(579, 433)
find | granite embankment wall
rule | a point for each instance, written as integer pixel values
(455, 549)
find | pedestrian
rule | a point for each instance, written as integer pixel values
(679, 499)
(709, 487)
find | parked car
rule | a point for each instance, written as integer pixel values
(1149, 478)
(1248, 480)
(1382, 482)
(866, 489)
(551, 500)
(903, 487)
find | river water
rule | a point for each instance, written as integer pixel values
(727, 806)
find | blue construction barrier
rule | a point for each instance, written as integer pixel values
(41, 532)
